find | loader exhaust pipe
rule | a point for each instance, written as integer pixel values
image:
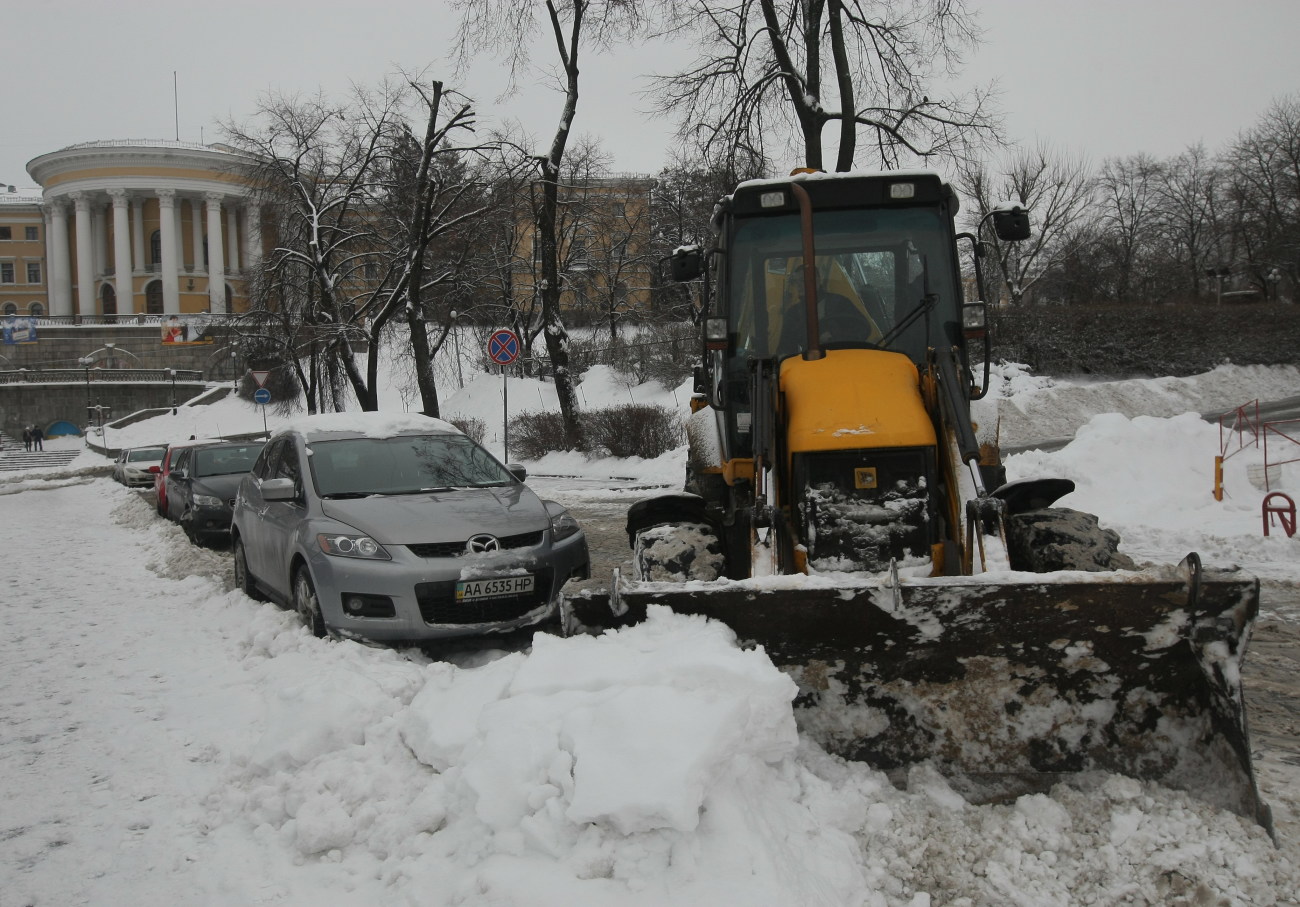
(814, 349)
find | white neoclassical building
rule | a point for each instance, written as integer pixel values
(143, 227)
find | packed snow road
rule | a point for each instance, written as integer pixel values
(169, 741)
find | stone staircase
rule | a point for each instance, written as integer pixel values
(14, 459)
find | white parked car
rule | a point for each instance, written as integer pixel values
(136, 466)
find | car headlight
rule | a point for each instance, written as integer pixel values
(362, 546)
(206, 500)
(563, 525)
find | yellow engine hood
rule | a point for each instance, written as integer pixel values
(854, 399)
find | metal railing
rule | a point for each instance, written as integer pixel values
(95, 375)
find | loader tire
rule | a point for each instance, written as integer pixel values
(1058, 538)
(678, 552)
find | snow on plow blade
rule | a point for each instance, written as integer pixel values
(1009, 681)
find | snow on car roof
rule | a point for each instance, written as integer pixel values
(367, 424)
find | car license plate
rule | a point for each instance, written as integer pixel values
(500, 587)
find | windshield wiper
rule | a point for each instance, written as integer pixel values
(348, 495)
(431, 490)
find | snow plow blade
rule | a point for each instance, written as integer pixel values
(1005, 683)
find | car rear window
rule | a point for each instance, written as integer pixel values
(405, 464)
(224, 461)
(146, 453)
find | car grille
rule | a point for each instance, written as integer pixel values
(456, 549)
(438, 603)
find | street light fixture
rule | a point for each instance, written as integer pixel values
(172, 372)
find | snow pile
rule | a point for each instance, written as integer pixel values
(1033, 408)
(1152, 480)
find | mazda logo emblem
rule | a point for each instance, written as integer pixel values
(481, 544)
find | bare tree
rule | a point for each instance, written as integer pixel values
(774, 73)
(1188, 191)
(507, 27)
(1056, 188)
(356, 199)
(1128, 194)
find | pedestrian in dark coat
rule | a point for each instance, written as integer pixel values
(27, 438)
(38, 438)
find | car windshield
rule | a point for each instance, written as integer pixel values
(145, 453)
(224, 461)
(406, 464)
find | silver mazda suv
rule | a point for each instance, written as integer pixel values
(394, 527)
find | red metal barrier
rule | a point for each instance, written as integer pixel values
(1285, 512)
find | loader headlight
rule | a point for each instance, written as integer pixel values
(772, 199)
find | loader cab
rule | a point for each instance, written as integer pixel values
(886, 276)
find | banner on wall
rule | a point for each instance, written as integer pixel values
(18, 329)
(177, 329)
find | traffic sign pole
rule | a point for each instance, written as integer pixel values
(503, 349)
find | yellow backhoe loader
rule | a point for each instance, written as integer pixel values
(839, 511)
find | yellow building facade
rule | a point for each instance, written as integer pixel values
(130, 228)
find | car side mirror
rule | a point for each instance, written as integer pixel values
(518, 470)
(279, 490)
(154, 469)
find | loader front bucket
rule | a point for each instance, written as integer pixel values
(1005, 682)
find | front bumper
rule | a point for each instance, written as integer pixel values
(422, 591)
(210, 522)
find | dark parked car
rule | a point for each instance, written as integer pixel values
(201, 486)
(399, 527)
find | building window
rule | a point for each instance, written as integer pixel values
(108, 300)
(36, 309)
(371, 270)
(11, 308)
(33, 272)
(6, 233)
(155, 248)
(153, 298)
(32, 235)
(6, 272)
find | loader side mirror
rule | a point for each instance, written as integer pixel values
(686, 263)
(974, 320)
(1011, 224)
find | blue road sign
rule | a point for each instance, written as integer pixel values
(262, 396)
(503, 346)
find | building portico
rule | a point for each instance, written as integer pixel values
(146, 227)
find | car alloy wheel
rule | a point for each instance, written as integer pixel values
(306, 603)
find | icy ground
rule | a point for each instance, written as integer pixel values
(169, 741)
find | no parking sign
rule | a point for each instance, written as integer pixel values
(503, 346)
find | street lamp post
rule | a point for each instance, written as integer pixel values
(85, 363)
(172, 372)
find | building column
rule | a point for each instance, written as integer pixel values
(167, 227)
(252, 236)
(124, 284)
(99, 223)
(232, 238)
(85, 255)
(196, 236)
(56, 244)
(137, 233)
(216, 257)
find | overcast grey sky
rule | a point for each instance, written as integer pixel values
(1097, 77)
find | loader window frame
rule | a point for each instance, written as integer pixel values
(858, 252)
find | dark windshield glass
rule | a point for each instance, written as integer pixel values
(870, 274)
(403, 465)
(224, 461)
